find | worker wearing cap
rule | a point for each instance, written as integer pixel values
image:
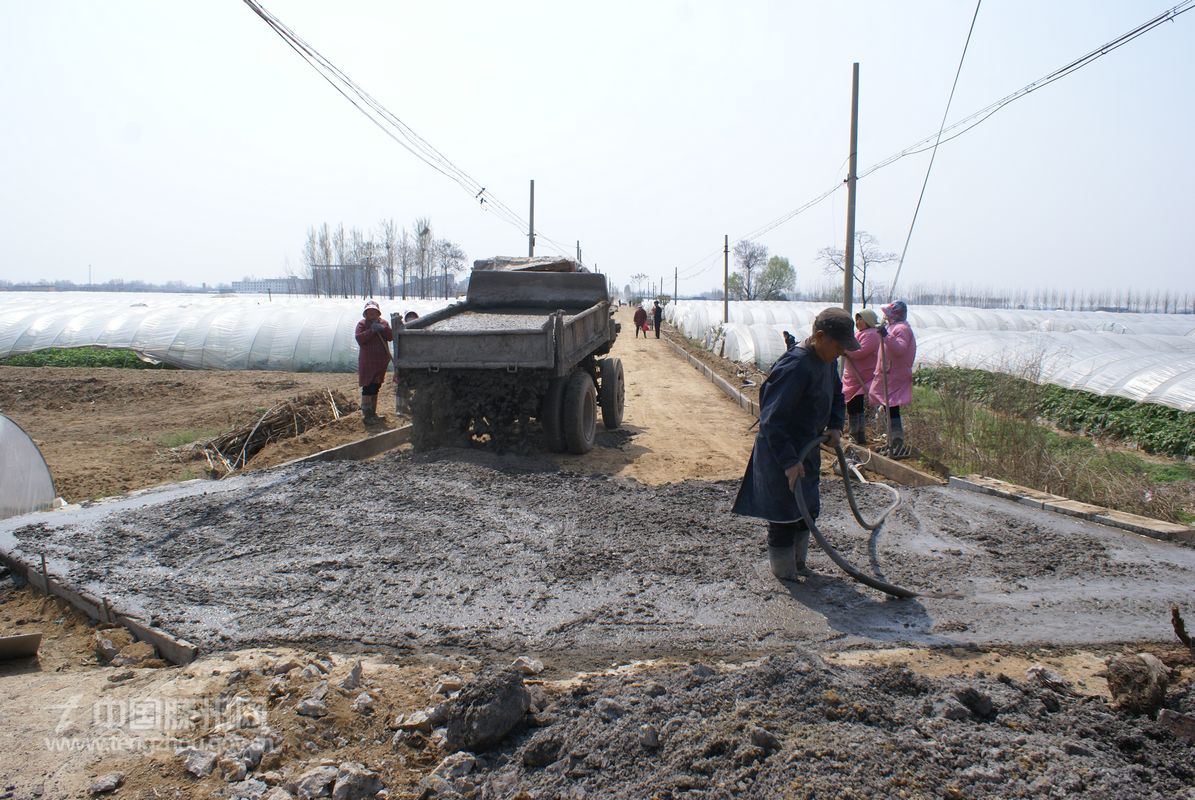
(800, 400)
(373, 358)
(859, 369)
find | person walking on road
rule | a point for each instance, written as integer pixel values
(657, 314)
(640, 322)
(892, 386)
(800, 400)
(373, 359)
(859, 371)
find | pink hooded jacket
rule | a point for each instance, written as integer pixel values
(900, 348)
(861, 364)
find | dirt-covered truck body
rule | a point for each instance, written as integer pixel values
(523, 345)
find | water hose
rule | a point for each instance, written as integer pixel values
(846, 566)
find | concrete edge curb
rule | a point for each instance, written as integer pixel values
(1145, 526)
(359, 450)
(743, 402)
(892, 470)
(173, 649)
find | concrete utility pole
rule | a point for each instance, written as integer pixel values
(848, 255)
(726, 280)
(675, 281)
(531, 224)
(578, 251)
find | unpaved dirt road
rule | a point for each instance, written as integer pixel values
(677, 425)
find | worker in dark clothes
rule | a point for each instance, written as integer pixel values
(640, 322)
(800, 400)
(657, 314)
(373, 359)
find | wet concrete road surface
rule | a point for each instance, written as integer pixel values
(467, 551)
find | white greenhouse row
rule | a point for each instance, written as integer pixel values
(288, 333)
(1144, 357)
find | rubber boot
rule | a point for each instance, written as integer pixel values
(369, 407)
(801, 551)
(859, 429)
(783, 562)
(897, 448)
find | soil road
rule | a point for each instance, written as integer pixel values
(677, 425)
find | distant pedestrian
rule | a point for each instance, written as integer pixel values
(640, 322)
(373, 359)
(860, 369)
(800, 401)
(657, 314)
(892, 386)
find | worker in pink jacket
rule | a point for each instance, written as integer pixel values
(859, 370)
(898, 349)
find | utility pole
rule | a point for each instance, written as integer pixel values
(578, 251)
(726, 280)
(531, 224)
(675, 279)
(848, 255)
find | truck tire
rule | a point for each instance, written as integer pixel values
(579, 417)
(552, 415)
(613, 394)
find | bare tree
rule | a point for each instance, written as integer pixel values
(325, 249)
(406, 258)
(341, 247)
(423, 248)
(750, 258)
(389, 242)
(867, 256)
(451, 259)
(311, 256)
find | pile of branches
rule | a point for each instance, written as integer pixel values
(230, 451)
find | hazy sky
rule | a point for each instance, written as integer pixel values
(185, 141)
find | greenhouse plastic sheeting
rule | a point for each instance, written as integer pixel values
(1143, 357)
(25, 482)
(288, 333)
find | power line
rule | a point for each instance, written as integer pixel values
(972, 120)
(389, 123)
(933, 155)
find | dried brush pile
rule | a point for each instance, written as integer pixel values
(230, 451)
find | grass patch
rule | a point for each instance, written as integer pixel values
(81, 357)
(186, 436)
(1153, 428)
(993, 425)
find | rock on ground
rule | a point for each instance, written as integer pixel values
(1137, 682)
(486, 710)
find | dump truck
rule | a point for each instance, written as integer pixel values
(525, 344)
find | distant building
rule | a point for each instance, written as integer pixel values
(272, 286)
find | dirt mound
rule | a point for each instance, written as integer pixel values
(791, 726)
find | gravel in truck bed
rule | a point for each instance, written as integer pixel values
(490, 321)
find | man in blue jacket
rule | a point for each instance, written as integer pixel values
(800, 400)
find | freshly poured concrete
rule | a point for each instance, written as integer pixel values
(462, 551)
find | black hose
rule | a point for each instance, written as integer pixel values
(874, 527)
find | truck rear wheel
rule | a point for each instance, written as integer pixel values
(552, 415)
(613, 394)
(579, 417)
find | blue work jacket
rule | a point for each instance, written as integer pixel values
(801, 399)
